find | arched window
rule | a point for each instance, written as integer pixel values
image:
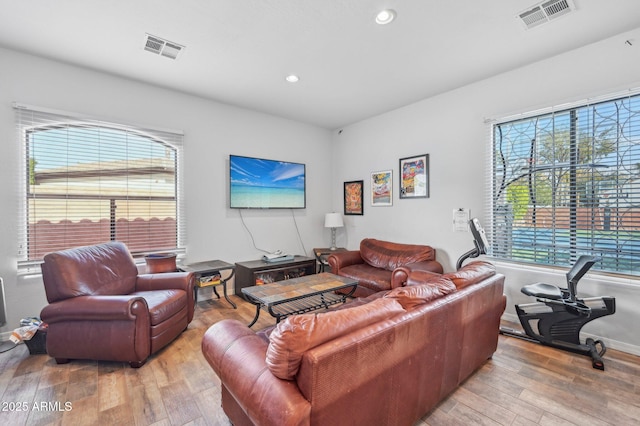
(87, 182)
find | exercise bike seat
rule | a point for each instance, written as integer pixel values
(543, 290)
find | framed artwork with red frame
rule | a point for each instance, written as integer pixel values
(353, 197)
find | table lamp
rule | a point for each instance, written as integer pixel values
(333, 221)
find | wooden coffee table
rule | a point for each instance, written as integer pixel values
(299, 295)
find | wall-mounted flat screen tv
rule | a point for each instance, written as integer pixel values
(257, 183)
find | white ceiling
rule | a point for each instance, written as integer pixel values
(239, 51)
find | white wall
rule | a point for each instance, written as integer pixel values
(212, 132)
(451, 128)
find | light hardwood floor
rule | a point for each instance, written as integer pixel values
(523, 384)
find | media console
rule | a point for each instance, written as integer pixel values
(257, 272)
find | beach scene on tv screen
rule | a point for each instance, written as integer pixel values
(259, 183)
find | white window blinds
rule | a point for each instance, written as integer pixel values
(567, 183)
(87, 181)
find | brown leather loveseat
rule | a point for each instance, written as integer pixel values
(382, 265)
(101, 309)
(387, 359)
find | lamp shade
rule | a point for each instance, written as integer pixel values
(333, 220)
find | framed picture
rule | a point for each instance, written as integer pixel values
(353, 197)
(381, 188)
(414, 177)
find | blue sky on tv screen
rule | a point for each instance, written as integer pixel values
(266, 173)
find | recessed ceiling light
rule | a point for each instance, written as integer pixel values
(292, 78)
(386, 16)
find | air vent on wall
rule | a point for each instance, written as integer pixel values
(162, 47)
(545, 12)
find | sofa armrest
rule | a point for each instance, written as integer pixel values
(95, 308)
(237, 355)
(166, 281)
(170, 281)
(344, 259)
(400, 275)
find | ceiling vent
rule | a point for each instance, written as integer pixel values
(545, 12)
(162, 47)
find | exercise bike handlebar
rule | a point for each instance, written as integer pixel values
(480, 242)
(475, 252)
(579, 269)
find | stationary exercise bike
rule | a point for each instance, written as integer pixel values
(558, 315)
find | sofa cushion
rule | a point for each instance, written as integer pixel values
(295, 335)
(420, 277)
(471, 273)
(163, 304)
(389, 256)
(414, 295)
(372, 278)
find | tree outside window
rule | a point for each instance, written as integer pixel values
(566, 184)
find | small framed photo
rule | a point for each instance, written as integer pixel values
(353, 197)
(381, 188)
(414, 176)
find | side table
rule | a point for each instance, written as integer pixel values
(211, 269)
(322, 254)
(256, 272)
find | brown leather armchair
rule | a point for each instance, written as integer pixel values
(100, 308)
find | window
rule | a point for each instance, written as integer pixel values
(87, 181)
(567, 183)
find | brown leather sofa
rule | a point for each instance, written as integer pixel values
(101, 309)
(382, 265)
(387, 359)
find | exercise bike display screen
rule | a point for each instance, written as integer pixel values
(479, 241)
(479, 235)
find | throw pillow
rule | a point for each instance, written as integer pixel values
(299, 333)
